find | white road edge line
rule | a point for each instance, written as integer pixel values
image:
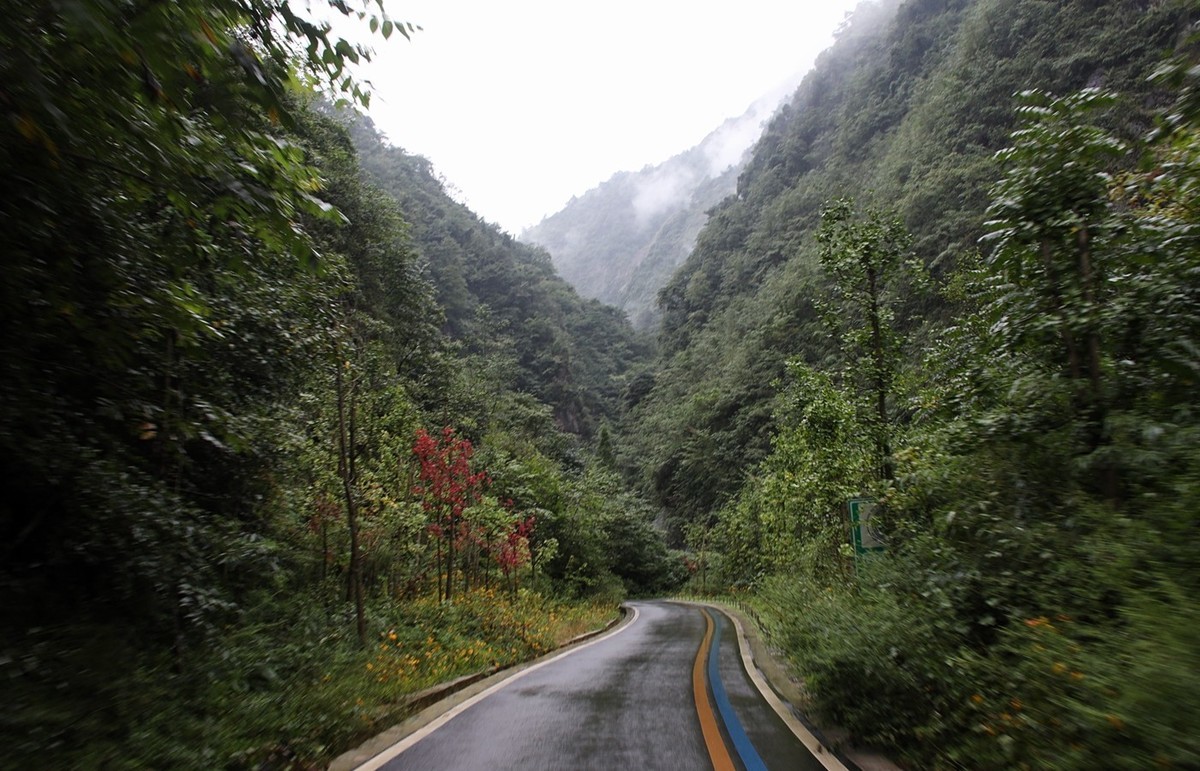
(806, 737)
(399, 747)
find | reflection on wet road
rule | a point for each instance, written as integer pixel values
(624, 701)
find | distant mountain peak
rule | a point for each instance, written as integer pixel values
(620, 241)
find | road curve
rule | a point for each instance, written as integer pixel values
(626, 700)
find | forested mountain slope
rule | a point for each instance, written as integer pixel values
(930, 384)
(621, 241)
(503, 299)
(904, 112)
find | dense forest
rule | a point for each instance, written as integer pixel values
(906, 112)
(957, 285)
(285, 432)
(572, 354)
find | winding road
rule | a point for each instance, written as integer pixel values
(668, 689)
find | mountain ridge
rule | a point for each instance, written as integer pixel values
(621, 241)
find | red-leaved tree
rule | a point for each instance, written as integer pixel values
(513, 551)
(447, 488)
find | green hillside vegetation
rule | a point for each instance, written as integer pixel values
(978, 310)
(905, 113)
(237, 373)
(503, 300)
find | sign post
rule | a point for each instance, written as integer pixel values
(866, 538)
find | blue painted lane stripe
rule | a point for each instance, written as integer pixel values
(733, 726)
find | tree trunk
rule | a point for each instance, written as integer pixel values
(1109, 481)
(883, 440)
(347, 471)
(1074, 367)
(437, 574)
(1088, 283)
(450, 559)
(324, 546)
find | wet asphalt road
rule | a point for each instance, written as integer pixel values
(625, 702)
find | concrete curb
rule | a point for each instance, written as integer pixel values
(432, 702)
(778, 676)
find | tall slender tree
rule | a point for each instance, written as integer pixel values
(864, 254)
(1048, 214)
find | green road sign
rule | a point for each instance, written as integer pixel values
(865, 538)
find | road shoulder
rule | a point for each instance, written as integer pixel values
(777, 674)
(434, 702)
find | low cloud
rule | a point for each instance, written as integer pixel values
(669, 186)
(728, 144)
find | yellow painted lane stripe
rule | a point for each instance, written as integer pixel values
(717, 751)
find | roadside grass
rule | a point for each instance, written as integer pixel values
(268, 695)
(434, 642)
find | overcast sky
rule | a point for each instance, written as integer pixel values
(521, 104)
